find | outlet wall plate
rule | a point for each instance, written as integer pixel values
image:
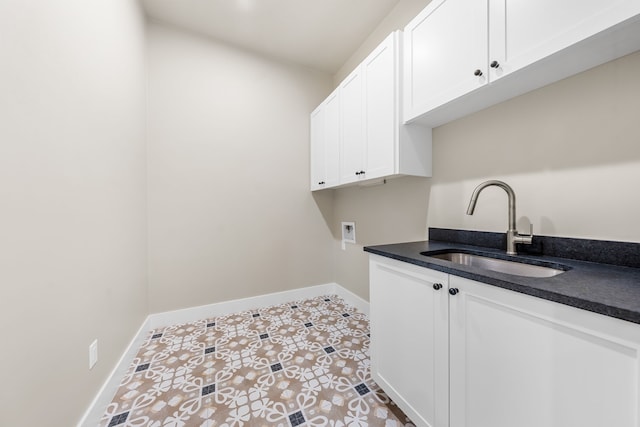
(93, 353)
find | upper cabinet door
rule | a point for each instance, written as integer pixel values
(317, 149)
(380, 70)
(446, 53)
(352, 127)
(325, 143)
(524, 32)
(332, 139)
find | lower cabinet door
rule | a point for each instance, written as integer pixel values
(409, 338)
(521, 361)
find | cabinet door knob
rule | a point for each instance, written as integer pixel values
(361, 172)
(321, 182)
(494, 64)
(357, 173)
(453, 291)
(437, 286)
(477, 73)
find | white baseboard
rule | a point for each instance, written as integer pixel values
(352, 299)
(192, 314)
(96, 409)
(157, 320)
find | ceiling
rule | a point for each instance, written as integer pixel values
(320, 34)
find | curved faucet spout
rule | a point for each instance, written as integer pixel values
(513, 236)
(505, 187)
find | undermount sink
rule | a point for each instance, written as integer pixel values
(515, 268)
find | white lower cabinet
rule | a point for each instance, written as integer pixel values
(409, 338)
(490, 357)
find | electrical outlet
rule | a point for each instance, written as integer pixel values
(93, 353)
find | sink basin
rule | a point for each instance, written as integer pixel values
(515, 268)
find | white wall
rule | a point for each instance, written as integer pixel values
(72, 201)
(230, 212)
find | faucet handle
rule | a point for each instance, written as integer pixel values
(523, 239)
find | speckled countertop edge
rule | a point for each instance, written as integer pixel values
(600, 288)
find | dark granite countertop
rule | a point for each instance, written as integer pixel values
(611, 290)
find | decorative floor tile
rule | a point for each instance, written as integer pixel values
(304, 363)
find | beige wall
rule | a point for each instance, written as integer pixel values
(230, 212)
(72, 197)
(389, 213)
(571, 151)
(397, 19)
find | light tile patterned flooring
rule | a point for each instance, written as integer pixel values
(304, 363)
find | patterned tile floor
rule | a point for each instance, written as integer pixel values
(304, 363)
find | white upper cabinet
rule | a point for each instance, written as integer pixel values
(446, 48)
(373, 141)
(522, 33)
(391, 148)
(381, 107)
(465, 55)
(369, 116)
(325, 140)
(317, 148)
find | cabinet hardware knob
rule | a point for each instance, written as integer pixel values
(362, 172)
(437, 286)
(321, 182)
(494, 64)
(453, 291)
(477, 73)
(357, 173)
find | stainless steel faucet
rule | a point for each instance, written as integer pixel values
(513, 236)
